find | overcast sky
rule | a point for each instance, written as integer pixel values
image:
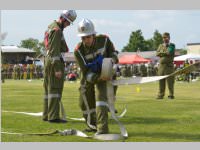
(118, 24)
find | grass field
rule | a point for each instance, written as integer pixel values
(147, 119)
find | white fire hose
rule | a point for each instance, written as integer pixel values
(107, 73)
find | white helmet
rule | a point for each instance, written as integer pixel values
(69, 15)
(85, 28)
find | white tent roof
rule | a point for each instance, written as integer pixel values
(15, 49)
(187, 56)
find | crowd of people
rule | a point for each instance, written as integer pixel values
(72, 71)
(142, 70)
(21, 71)
(189, 76)
(32, 71)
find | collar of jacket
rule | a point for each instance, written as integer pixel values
(166, 44)
(59, 25)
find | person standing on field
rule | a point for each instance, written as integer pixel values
(54, 66)
(166, 52)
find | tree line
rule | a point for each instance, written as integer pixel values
(136, 42)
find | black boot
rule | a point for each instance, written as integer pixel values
(58, 121)
(89, 130)
(170, 97)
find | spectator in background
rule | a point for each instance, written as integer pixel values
(166, 52)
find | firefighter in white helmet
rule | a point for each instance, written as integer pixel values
(69, 15)
(89, 54)
(55, 45)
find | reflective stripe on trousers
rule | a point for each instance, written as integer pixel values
(50, 96)
(101, 103)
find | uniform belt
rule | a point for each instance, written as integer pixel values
(55, 58)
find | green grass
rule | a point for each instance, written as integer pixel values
(147, 119)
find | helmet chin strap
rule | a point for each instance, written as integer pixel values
(60, 22)
(62, 25)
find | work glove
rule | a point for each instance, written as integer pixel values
(96, 65)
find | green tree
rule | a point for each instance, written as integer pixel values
(33, 44)
(157, 39)
(41, 47)
(148, 45)
(136, 42)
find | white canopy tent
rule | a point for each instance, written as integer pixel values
(187, 57)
